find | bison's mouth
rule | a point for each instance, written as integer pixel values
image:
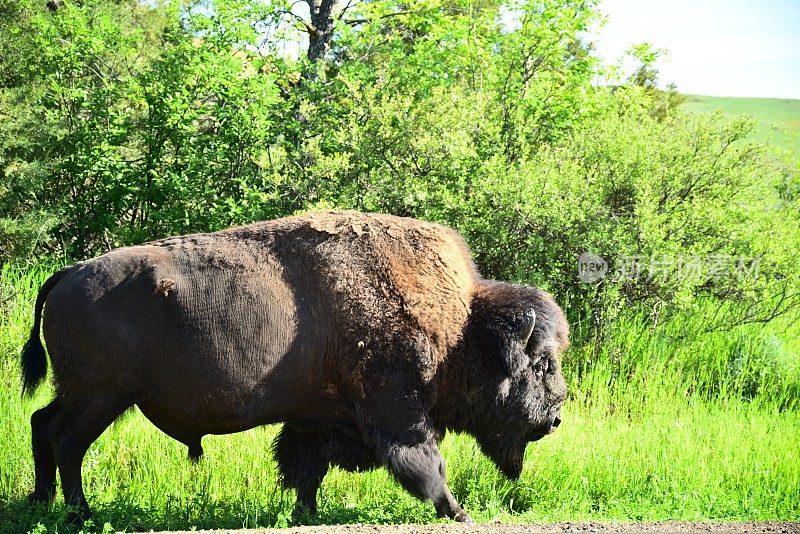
(539, 433)
(508, 452)
(510, 460)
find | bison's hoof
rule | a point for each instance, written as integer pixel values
(42, 496)
(77, 518)
(303, 514)
(463, 517)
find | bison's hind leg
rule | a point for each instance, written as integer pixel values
(71, 429)
(44, 460)
(302, 464)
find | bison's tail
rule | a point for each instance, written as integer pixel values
(34, 361)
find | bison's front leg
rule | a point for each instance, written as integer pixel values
(393, 417)
(421, 470)
(298, 450)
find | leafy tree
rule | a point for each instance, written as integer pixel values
(140, 125)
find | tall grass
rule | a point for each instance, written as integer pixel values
(664, 423)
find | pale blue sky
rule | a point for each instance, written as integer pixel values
(716, 47)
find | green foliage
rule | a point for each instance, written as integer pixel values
(129, 121)
(646, 75)
(131, 127)
(634, 187)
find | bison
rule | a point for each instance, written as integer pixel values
(368, 336)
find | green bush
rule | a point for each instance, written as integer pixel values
(623, 184)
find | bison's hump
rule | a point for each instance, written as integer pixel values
(381, 272)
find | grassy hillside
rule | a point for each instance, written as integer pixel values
(779, 118)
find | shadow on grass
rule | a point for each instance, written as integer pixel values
(122, 514)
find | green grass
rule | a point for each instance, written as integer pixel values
(778, 118)
(665, 424)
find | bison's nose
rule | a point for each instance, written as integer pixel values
(554, 425)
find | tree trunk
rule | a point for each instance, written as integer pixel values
(321, 30)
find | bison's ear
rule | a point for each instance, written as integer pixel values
(525, 326)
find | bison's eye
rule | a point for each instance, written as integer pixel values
(537, 364)
(542, 364)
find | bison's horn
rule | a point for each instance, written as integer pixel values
(526, 324)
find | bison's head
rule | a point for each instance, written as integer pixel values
(512, 348)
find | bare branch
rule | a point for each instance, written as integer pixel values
(382, 17)
(350, 3)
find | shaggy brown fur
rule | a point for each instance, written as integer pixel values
(367, 335)
(380, 273)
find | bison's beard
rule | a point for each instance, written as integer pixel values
(507, 455)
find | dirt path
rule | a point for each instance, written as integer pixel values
(769, 527)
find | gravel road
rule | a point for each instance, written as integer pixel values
(771, 527)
